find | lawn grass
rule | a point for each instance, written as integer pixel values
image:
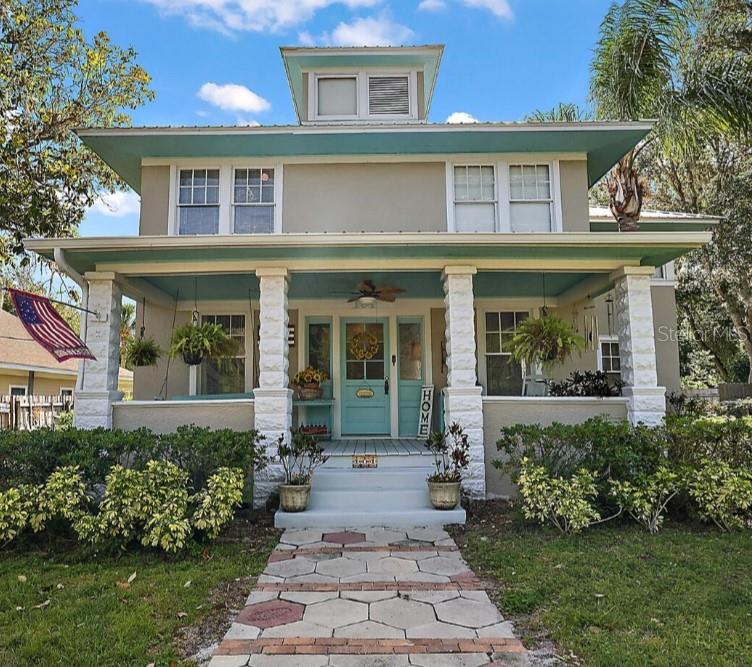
(616, 595)
(94, 618)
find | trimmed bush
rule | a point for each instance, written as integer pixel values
(646, 498)
(723, 494)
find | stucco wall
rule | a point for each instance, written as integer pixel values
(147, 382)
(155, 191)
(574, 195)
(166, 416)
(43, 386)
(499, 412)
(408, 197)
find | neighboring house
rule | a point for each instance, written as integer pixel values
(27, 369)
(481, 225)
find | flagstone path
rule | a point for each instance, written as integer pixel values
(368, 597)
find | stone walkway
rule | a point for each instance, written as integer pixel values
(370, 597)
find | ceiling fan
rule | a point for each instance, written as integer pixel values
(367, 292)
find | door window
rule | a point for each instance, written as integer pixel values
(410, 351)
(364, 354)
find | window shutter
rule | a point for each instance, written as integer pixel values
(388, 96)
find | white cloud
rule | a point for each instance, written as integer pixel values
(379, 30)
(431, 5)
(117, 204)
(461, 117)
(233, 97)
(231, 16)
(500, 8)
(248, 122)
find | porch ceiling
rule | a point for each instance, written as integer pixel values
(419, 284)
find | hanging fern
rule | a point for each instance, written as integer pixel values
(196, 341)
(142, 352)
(546, 340)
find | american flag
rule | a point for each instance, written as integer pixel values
(45, 326)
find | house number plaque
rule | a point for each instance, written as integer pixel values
(365, 461)
(364, 392)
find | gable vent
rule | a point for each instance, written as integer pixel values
(388, 96)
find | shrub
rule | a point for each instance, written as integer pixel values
(15, 509)
(215, 505)
(166, 524)
(300, 457)
(450, 451)
(565, 503)
(723, 494)
(586, 383)
(645, 499)
(62, 496)
(690, 441)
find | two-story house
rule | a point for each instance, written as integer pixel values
(287, 236)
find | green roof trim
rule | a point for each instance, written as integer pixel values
(298, 60)
(124, 149)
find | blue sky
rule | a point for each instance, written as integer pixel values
(503, 58)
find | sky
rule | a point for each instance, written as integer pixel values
(217, 62)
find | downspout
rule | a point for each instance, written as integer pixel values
(62, 262)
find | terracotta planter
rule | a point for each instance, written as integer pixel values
(294, 497)
(444, 495)
(310, 392)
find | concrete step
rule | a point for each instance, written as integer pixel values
(365, 501)
(426, 516)
(371, 479)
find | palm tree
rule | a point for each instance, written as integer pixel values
(685, 63)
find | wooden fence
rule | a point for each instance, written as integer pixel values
(24, 413)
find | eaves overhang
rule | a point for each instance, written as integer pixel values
(125, 149)
(333, 252)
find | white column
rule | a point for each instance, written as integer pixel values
(273, 397)
(93, 404)
(633, 314)
(462, 396)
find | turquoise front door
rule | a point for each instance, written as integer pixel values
(365, 377)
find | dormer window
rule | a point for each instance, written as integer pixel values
(363, 96)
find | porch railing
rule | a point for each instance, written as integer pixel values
(25, 413)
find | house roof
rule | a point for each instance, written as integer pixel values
(297, 60)
(19, 350)
(125, 149)
(602, 220)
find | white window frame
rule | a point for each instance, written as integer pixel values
(66, 389)
(226, 179)
(452, 201)
(178, 205)
(608, 339)
(234, 205)
(551, 184)
(361, 86)
(194, 377)
(503, 209)
(510, 306)
(25, 388)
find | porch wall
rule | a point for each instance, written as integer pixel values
(166, 416)
(499, 412)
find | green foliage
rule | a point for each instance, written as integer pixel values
(566, 503)
(646, 498)
(723, 494)
(166, 495)
(54, 80)
(15, 508)
(451, 453)
(142, 352)
(587, 383)
(62, 496)
(300, 457)
(29, 457)
(216, 504)
(692, 440)
(545, 340)
(195, 341)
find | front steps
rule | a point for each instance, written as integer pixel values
(395, 495)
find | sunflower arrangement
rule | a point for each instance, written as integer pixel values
(309, 375)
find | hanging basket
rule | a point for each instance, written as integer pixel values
(193, 358)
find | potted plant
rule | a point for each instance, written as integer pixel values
(142, 352)
(450, 451)
(546, 340)
(308, 383)
(196, 341)
(299, 459)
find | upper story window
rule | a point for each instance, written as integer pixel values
(530, 199)
(503, 196)
(198, 201)
(475, 198)
(253, 201)
(363, 96)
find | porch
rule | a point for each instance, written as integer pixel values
(286, 301)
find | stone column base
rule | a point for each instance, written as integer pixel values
(464, 405)
(93, 409)
(646, 405)
(272, 419)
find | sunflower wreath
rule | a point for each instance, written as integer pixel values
(363, 346)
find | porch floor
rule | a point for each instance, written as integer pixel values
(376, 446)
